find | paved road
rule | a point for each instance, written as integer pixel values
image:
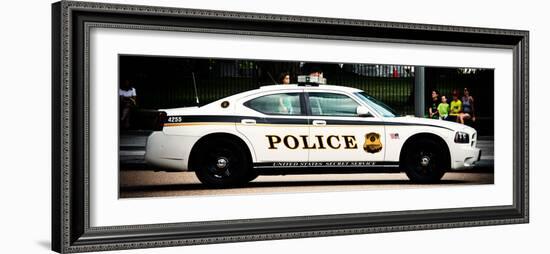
(145, 183)
(137, 180)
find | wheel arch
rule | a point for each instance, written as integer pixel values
(409, 144)
(195, 150)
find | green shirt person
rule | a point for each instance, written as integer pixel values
(456, 107)
(443, 108)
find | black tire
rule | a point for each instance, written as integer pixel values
(223, 163)
(425, 161)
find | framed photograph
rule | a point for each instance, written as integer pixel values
(182, 126)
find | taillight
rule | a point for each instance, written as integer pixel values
(161, 119)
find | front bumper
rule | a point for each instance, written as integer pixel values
(465, 157)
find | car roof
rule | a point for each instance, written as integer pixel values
(289, 87)
(310, 88)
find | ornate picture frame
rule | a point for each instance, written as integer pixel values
(71, 229)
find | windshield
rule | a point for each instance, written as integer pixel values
(377, 105)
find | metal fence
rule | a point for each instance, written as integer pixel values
(168, 82)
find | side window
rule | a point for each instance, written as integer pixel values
(332, 104)
(277, 104)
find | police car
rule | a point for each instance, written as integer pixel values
(305, 128)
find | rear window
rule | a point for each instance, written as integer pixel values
(277, 104)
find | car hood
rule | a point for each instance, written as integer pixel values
(435, 122)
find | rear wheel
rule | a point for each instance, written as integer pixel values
(222, 164)
(425, 162)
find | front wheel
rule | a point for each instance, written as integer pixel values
(222, 164)
(425, 162)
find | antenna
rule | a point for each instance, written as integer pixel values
(195, 85)
(271, 77)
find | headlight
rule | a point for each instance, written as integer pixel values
(462, 137)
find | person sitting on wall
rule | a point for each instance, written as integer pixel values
(443, 108)
(127, 101)
(467, 107)
(285, 105)
(455, 108)
(432, 110)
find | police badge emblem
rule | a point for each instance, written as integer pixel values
(372, 143)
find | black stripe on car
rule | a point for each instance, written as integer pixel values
(337, 167)
(275, 120)
(325, 164)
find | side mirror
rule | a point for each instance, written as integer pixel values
(363, 111)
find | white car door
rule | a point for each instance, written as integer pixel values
(340, 135)
(277, 134)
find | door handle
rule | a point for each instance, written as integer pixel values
(248, 121)
(319, 122)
